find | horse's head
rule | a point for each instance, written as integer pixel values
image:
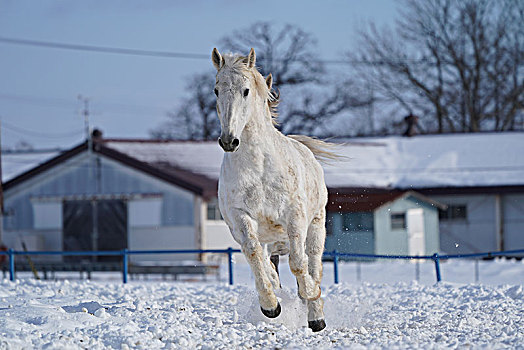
(240, 90)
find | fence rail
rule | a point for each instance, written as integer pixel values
(436, 258)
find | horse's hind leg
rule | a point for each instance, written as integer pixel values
(316, 236)
(275, 260)
(275, 250)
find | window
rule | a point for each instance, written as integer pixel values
(145, 212)
(398, 221)
(330, 223)
(47, 215)
(453, 212)
(358, 222)
(213, 211)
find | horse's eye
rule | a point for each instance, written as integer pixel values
(216, 92)
(246, 92)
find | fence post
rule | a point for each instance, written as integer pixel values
(11, 265)
(436, 259)
(124, 265)
(477, 272)
(230, 264)
(335, 266)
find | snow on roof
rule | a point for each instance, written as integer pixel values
(14, 164)
(202, 157)
(487, 159)
(483, 159)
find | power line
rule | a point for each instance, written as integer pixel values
(150, 53)
(115, 50)
(31, 151)
(32, 133)
(68, 104)
(38, 100)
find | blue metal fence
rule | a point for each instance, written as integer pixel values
(436, 258)
(124, 253)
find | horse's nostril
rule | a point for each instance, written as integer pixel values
(228, 146)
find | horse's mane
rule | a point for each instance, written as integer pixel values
(320, 149)
(238, 64)
(272, 101)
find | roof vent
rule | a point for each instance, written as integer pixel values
(412, 125)
(97, 135)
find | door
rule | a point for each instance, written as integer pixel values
(112, 227)
(94, 225)
(77, 228)
(416, 235)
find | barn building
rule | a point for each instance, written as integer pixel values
(479, 177)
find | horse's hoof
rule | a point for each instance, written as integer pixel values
(273, 313)
(317, 325)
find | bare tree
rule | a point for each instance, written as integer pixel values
(457, 64)
(195, 117)
(313, 112)
(290, 55)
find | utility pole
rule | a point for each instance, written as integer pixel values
(85, 113)
(91, 171)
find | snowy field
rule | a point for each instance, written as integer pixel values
(368, 309)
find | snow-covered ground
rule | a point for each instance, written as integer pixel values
(375, 312)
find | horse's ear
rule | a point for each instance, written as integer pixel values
(269, 81)
(251, 58)
(217, 59)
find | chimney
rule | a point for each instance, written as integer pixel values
(96, 137)
(412, 125)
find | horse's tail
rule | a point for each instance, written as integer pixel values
(322, 150)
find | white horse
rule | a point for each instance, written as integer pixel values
(271, 189)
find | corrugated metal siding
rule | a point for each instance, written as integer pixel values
(76, 177)
(513, 206)
(474, 234)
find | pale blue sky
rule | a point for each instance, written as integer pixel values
(130, 94)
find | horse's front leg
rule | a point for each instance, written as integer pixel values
(316, 236)
(245, 230)
(308, 288)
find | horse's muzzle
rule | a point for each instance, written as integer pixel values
(229, 144)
